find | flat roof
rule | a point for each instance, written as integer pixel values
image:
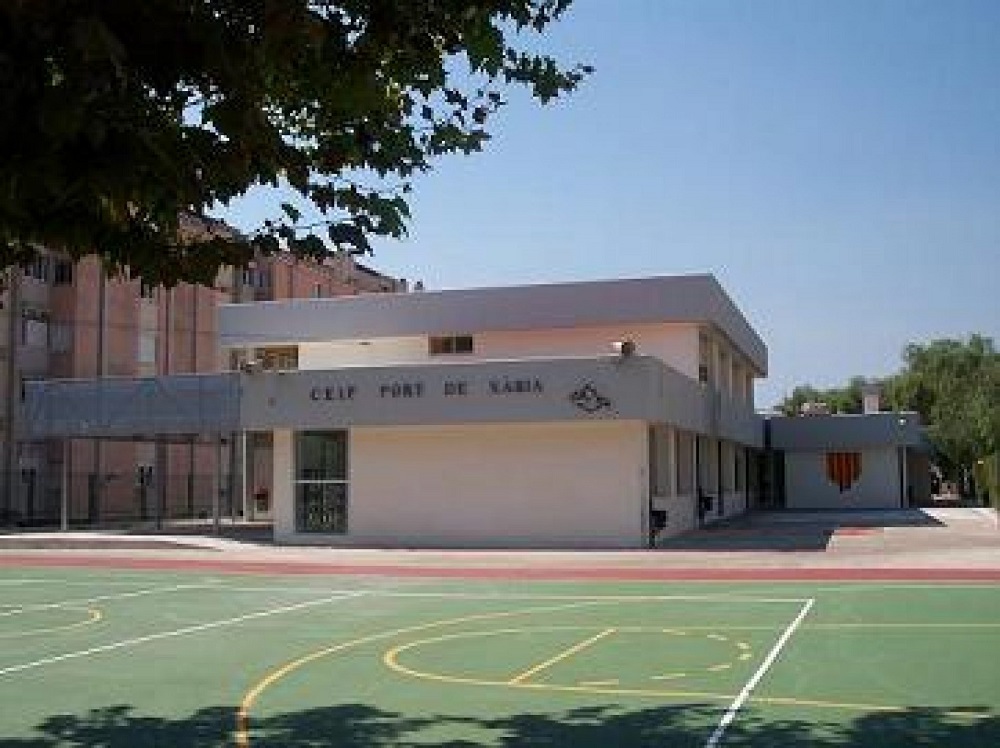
(665, 299)
(845, 431)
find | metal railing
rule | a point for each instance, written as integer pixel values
(89, 500)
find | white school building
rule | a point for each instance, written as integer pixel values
(592, 414)
(580, 414)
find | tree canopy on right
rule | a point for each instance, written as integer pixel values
(953, 384)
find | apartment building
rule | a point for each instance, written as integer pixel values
(65, 320)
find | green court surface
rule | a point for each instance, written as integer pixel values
(123, 658)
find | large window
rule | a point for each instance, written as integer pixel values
(660, 469)
(685, 463)
(321, 481)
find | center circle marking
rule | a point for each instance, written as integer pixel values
(391, 657)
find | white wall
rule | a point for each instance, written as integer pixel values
(674, 344)
(375, 352)
(807, 486)
(572, 485)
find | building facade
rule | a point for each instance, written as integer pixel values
(872, 460)
(597, 414)
(65, 320)
(581, 414)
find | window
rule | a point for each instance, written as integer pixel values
(38, 268)
(257, 277)
(146, 291)
(704, 355)
(62, 273)
(34, 327)
(660, 469)
(321, 482)
(443, 345)
(281, 358)
(147, 347)
(685, 463)
(728, 467)
(60, 337)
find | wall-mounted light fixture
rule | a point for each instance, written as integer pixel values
(624, 348)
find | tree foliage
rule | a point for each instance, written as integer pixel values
(953, 384)
(846, 399)
(119, 116)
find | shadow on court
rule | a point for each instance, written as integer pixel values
(362, 726)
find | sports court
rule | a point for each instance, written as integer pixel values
(164, 657)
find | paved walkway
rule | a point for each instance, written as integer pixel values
(931, 539)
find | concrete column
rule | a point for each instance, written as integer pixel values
(283, 483)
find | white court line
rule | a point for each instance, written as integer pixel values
(742, 696)
(143, 579)
(376, 592)
(81, 653)
(18, 609)
(858, 587)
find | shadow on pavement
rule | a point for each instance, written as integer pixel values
(794, 530)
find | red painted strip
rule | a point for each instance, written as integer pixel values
(534, 573)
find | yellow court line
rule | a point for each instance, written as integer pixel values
(391, 656)
(578, 647)
(594, 689)
(93, 616)
(241, 737)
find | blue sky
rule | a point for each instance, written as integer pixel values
(835, 164)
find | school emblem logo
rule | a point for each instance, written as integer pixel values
(843, 469)
(589, 400)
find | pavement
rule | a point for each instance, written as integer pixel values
(932, 539)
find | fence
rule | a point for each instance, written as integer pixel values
(114, 500)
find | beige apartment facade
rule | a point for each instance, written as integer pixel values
(65, 320)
